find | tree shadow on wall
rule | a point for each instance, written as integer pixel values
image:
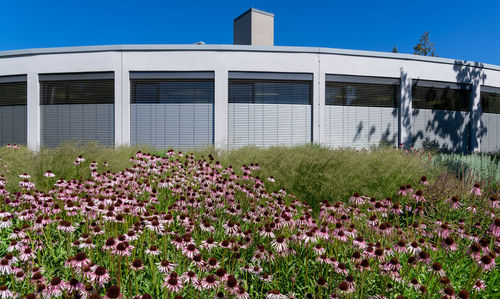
(448, 130)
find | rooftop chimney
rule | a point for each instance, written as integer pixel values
(254, 27)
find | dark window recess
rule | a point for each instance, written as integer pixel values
(440, 98)
(77, 92)
(361, 94)
(270, 92)
(13, 94)
(490, 102)
(172, 91)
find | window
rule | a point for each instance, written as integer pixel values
(440, 96)
(490, 101)
(360, 94)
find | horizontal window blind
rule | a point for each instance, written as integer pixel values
(172, 112)
(361, 111)
(80, 108)
(77, 92)
(269, 112)
(13, 112)
(441, 96)
(12, 94)
(490, 101)
(361, 94)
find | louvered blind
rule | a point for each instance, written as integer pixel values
(490, 100)
(361, 112)
(441, 96)
(172, 112)
(490, 119)
(13, 112)
(267, 112)
(441, 117)
(77, 107)
(361, 94)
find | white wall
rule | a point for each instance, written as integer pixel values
(221, 59)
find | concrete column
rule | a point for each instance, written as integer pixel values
(318, 107)
(122, 106)
(33, 110)
(475, 118)
(221, 108)
(405, 110)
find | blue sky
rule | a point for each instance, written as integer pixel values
(467, 30)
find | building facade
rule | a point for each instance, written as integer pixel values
(192, 96)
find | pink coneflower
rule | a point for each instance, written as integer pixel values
(137, 265)
(209, 282)
(207, 227)
(65, 226)
(493, 201)
(486, 262)
(275, 294)
(190, 251)
(479, 286)
(341, 268)
(19, 276)
(123, 249)
(356, 199)
(476, 189)
(474, 251)
(449, 243)
(423, 180)
(221, 274)
(318, 249)
(454, 202)
(449, 292)
(26, 254)
(495, 228)
(472, 209)
(189, 277)
(166, 266)
(402, 190)
(5, 223)
(212, 263)
(49, 174)
(409, 189)
(266, 277)
(279, 244)
(5, 267)
(5, 293)
(400, 247)
(419, 196)
(113, 293)
(443, 231)
(173, 284)
(99, 276)
(424, 257)
(80, 260)
(110, 244)
(57, 287)
(271, 179)
(25, 176)
(438, 269)
(241, 293)
(255, 269)
(153, 250)
(309, 237)
(267, 232)
(344, 288)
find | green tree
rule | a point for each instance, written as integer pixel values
(394, 49)
(424, 46)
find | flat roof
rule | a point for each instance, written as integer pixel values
(242, 48)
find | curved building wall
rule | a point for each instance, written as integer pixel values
(225, 121)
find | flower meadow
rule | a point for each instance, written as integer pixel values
(184, 226)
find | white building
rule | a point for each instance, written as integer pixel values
(189, 96)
